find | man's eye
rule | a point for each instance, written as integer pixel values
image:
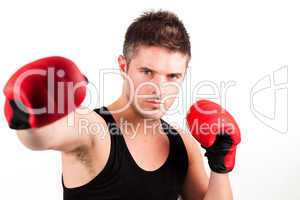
(173, 76)
(147, 72)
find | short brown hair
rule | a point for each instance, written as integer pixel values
(160, 28)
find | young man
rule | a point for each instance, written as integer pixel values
(134, 154)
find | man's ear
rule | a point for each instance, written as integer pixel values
(122, 63)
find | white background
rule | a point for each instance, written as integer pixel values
(240, 41)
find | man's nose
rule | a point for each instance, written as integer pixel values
(158, 79)
(158, 88)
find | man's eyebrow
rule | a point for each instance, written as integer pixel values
(149, 69)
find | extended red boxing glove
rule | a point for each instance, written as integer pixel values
(216, 130)
(42, 92)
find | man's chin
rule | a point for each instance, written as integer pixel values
(152, 113)
(153, 116)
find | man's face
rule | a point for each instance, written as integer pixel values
(155, 74)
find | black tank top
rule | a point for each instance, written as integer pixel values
(123, 179)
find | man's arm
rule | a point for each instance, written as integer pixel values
(219, 187)
(197, 184)
(196, 181)
(60, 136)
(220, 141)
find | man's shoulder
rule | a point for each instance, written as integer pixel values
(191, 145)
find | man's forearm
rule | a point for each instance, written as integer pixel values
(219, 187)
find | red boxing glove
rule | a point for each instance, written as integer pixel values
(216, 130)
(42, 92)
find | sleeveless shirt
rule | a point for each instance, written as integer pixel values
(122, 179)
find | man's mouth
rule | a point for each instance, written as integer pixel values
(154, 102)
